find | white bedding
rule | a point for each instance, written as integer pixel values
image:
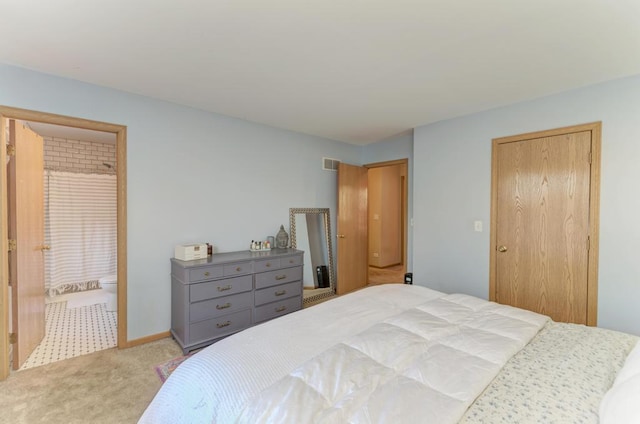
(621, 404)
(427, 364)
(317, 364)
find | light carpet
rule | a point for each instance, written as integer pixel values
(111, 386)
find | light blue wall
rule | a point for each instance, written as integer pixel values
(198, 176)
(398, 147)
(191, 176)
(452, 188)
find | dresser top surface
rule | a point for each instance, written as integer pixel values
(242, 255)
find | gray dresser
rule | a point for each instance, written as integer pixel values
(228, 292)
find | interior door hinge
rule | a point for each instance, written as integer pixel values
(590, 157)
(13, 338)
(11, 150)
(13, 245)
(588, 243)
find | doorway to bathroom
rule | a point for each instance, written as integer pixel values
(79, 169)
(82, 248)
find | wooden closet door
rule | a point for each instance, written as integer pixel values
(542, 222)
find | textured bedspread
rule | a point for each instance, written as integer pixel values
(560, 377)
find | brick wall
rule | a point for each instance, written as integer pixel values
(86, 157)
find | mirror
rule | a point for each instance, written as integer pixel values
(310, 230)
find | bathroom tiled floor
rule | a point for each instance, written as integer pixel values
(75, 331)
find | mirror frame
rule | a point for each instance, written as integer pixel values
(327, 233)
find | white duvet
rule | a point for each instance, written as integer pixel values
(621, 403)
(393, 353)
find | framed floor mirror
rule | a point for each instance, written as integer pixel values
(311, 232)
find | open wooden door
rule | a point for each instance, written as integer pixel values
(352, 228)
(26, 226)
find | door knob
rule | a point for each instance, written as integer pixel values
(45, 247)
(502, 248)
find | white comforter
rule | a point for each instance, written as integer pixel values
(384, 354)
(620, 404)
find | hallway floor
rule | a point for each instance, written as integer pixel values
(76, 324)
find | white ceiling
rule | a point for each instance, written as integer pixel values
(358, 71)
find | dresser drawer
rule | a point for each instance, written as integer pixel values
(276, 309)
(215, 297)
(283, 291)
(266, 265)
(279, 276)
(291, 261)
(213, 289)
(205, 273)
(220, 306)
(219, 327)
(239, 268)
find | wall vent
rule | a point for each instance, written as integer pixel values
(329, 164)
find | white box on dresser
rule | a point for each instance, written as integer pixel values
(220, 295)
(189, 252)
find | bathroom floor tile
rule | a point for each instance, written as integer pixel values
(73, 332)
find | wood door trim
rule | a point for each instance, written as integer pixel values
(51, 118)
(594, 208)
(387, 163)
(121, 177)
(4, 255)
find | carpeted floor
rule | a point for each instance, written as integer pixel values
(111, 386)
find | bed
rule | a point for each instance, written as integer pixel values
(405, 353)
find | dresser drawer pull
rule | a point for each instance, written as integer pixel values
(281, 277)
(281, 292)
(225, 288)
(223, 324)
(225, 306)
(206, 273)
(268, 265)
(238, 269)
(290, 261)
(281, 308)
